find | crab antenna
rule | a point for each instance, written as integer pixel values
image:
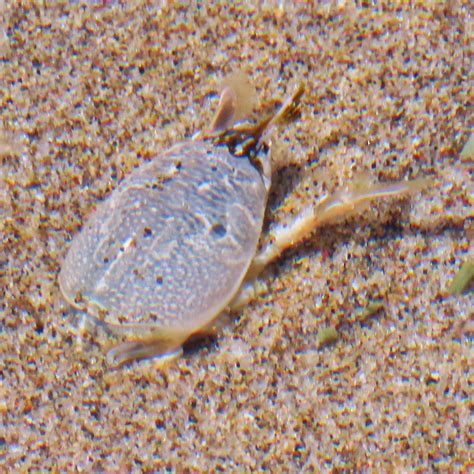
(287, 112)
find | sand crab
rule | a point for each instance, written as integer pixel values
(177, 243)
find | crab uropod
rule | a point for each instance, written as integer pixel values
(177, 243)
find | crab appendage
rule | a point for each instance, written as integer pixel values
(236, 100)
(245, 139)
(247, 293)
(130, 351)
(330, 209)
(165, 344)
(225, 110)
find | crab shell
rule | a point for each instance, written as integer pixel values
(168, 250)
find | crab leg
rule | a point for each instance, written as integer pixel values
(330, 209)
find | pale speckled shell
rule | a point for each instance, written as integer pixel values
(172, 244)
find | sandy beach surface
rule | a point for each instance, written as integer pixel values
(91, 90)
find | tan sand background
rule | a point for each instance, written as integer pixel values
(91, 90)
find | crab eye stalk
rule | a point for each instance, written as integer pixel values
(244, 139)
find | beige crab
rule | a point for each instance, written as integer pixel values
(177, 243)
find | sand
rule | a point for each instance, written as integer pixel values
(92, 90)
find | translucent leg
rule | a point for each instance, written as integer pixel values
(166, 344)
(86, 325)
(130, 351)
(248, 292)
(142, 343)
(330, 209)
(82, 329)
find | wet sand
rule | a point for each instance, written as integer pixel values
(90, 92)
